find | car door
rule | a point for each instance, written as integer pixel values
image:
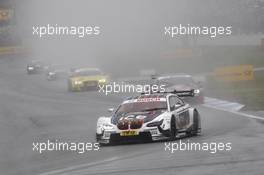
(177, 108)
(184, 117)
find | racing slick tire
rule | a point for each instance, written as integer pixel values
(173, 128)
(195, 129)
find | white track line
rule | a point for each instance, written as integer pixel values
(237, 113)
(227, 106)
(69, 170)
(222, 104)
(76, 167)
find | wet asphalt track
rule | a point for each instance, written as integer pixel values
(32, 109)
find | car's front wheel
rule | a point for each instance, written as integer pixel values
(173, 128)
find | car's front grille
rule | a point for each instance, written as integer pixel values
(136, 124)
(91, 83)
(123, 124)
(129, 124)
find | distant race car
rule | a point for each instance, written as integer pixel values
(55, 72)
(86, 79)
(35, 67)
(159, 116)
(183, 82)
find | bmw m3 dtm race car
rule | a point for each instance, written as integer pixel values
(183, 82)
(158, 116)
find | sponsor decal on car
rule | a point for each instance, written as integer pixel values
(129, 133)
(156, 99)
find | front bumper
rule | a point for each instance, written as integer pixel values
(51, 77)
(31, 70)
(86, 86)
(149, 135)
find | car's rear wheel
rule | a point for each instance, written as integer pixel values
(195, 129)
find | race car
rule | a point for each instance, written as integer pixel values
(86, 79)
(183, 82)
(55, 72)
(157, 116)
(35, 67)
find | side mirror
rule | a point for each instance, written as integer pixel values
(175, 106)
(110, 110)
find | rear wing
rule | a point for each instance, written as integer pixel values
(189, 93)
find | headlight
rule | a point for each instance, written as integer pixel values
(77, 82)
(108, 126)
(196, 91)
(30, 68)
(107, 134)
(102, 80)
(157, 123)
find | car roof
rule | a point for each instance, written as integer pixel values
(155, 95)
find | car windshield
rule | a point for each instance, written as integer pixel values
(87, 73)
(141, 107)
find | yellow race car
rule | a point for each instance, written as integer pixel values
(86, 79)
